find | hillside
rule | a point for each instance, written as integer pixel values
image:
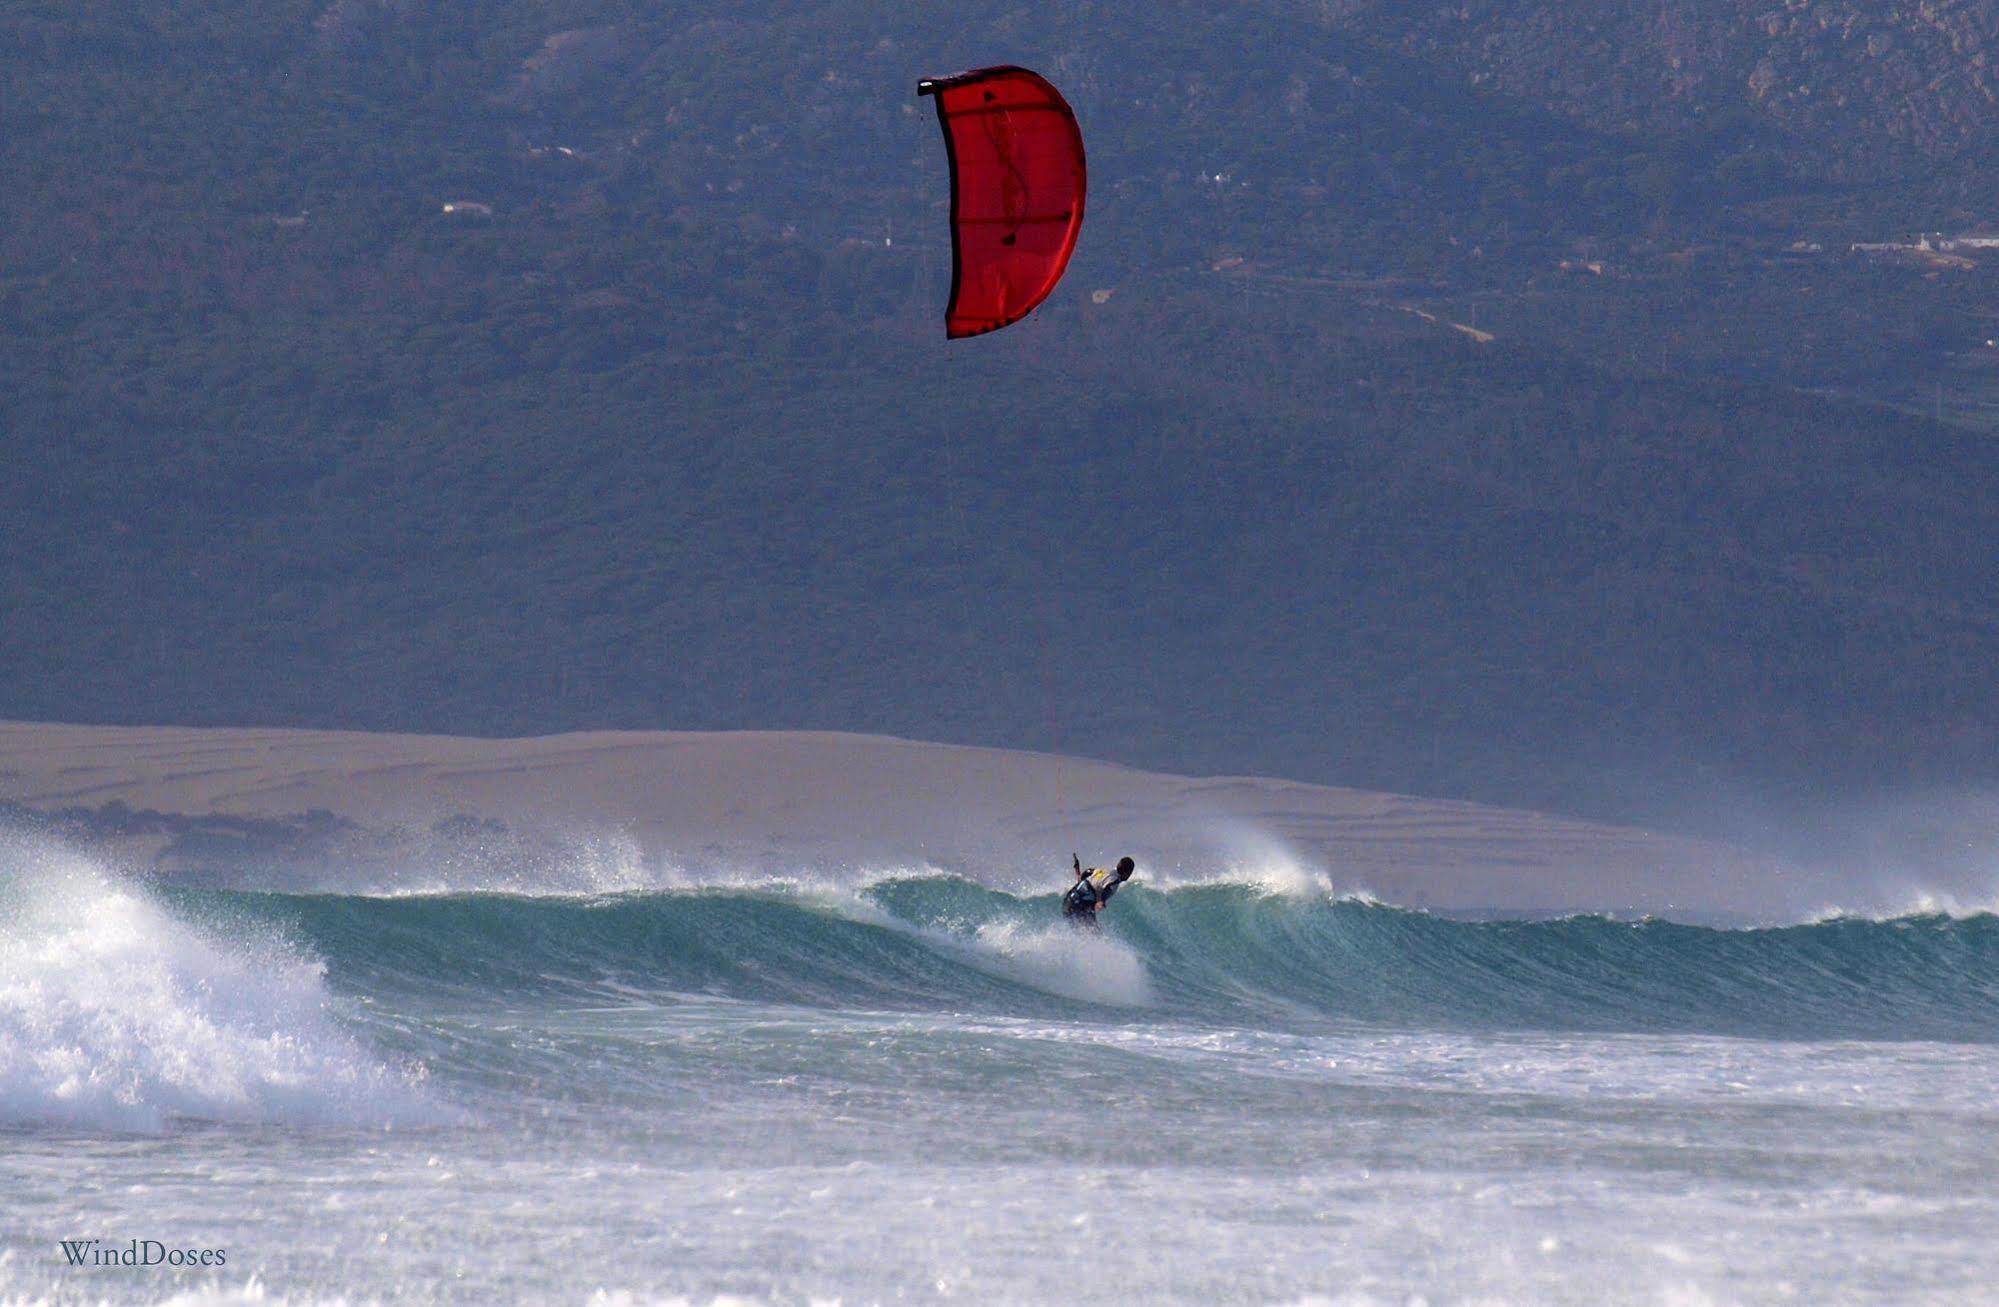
(1853, 92)
(654, 428)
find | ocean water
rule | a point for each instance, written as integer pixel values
(899, 1085)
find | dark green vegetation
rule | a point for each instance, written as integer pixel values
(670, 439)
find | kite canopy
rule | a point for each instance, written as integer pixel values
(1016, 193)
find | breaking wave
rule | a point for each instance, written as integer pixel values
(117, 1012)
(1221, 953)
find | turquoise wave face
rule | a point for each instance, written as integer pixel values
(1223, 954)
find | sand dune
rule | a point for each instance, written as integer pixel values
(782, 800)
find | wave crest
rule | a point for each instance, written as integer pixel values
(1230, 954)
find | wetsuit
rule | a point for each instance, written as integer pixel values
(1095, 886)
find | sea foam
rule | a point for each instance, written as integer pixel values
(117, 1013)
(1064, 960)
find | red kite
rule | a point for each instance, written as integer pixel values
(1017, 182)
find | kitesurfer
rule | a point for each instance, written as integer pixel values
(1093, 888)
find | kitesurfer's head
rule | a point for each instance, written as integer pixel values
(1125, 866)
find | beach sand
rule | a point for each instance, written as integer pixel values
(772, 801)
